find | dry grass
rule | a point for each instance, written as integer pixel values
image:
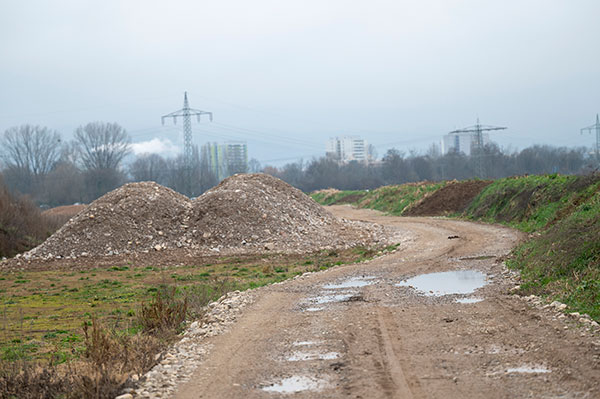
(22, 225)
(164, 313)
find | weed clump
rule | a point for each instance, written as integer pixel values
(164, 313)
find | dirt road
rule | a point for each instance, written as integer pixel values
(352, 331)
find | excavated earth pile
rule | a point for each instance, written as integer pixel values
(246, 213)
(454, 197)
(135, 217)
(257, 211)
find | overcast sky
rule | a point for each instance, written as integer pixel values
(286, 75)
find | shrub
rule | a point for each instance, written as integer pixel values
(22, 226)
(165, 313)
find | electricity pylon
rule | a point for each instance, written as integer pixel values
(186, 113)
(590, 129)
(478, 129)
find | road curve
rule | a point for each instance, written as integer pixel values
(374, 339)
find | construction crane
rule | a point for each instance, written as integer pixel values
(590, 129)
(186, 113)
(477, 144)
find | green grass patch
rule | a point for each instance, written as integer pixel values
(389, 199)
(563, 262)
(51, 315)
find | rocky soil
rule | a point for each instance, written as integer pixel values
(246, 213)
(135, 217)
(259, 212)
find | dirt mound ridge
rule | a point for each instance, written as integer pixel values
(454, 197)
(246, 213)
(135, 217)
(258, 211)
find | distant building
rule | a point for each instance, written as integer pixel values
(348, 148)
(462, 142)
(226, 159)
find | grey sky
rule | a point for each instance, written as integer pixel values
(286, 75)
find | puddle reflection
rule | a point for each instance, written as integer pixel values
(447, 283)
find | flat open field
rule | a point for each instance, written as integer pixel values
(43, 310)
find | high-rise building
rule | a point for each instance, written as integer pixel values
(348, 148)
(226, 159)
(462, 142)
(236, 156)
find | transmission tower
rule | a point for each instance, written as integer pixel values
(590, 129)
(478, 130)
(186, 113)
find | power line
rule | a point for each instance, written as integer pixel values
(478, 129)
(186, 114)
(589, 129)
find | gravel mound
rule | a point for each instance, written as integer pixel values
(454, 197)
(246, 213)
(135, 217)
(262, 212)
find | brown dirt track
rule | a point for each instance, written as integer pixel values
(392, 342)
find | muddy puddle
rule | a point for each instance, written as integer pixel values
(296, 384)
(460, 282)
(306, 343)
(332, 298)
(302, 356)
(354, 282)
(469, 300)
(528, 370)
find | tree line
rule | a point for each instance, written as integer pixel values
(36, 162)
(398, 167)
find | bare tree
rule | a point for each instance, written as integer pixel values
(29, 154)
(254, 166)
(100, 149)
(101, 146)
(34, 149)
(149, 167)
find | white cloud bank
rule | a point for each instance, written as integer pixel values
(161, 146)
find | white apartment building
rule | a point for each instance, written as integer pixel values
(348, 148)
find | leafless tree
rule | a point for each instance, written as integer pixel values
(101, 146)
(31, 149)
(28, 153)
(254, 166)
(149, 167)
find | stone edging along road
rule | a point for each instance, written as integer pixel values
(377, 330)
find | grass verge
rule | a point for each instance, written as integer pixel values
(82, 333)
(390, 199)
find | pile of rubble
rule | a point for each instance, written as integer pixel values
(262, 212)
(244, 214)
(135, 217)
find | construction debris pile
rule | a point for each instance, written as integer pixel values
(262, 212)
(136, 216)
(246, 213)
